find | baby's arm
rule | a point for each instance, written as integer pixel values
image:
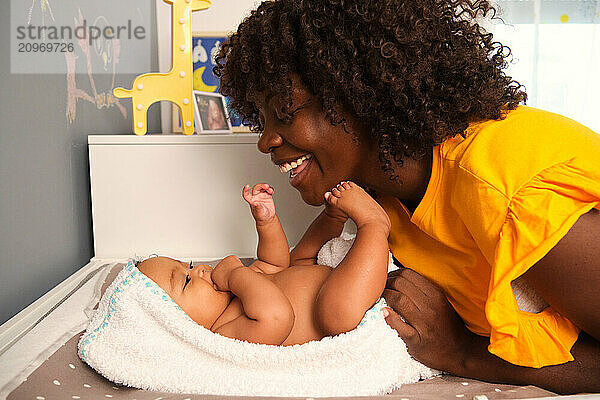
(272, 247)
(327, 225)
(268, 316)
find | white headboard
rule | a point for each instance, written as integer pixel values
(180, 195)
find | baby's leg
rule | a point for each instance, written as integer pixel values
(358, 281)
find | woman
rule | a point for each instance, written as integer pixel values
(408, 99)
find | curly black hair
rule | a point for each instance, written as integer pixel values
(415, 72)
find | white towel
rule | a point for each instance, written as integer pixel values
(140, 337)
(333, 252)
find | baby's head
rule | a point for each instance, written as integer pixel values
(191, 288)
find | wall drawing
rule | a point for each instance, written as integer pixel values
(108, 52)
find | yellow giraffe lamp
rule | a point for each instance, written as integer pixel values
(175, 85)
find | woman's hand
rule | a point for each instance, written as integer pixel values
(433, 332)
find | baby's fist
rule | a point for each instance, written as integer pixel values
(221, 273)
(260, 199)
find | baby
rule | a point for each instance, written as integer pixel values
(285, 298)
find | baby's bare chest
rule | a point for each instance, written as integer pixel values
(301, 282)
(301, 285)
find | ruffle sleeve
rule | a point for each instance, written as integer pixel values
(540, 213)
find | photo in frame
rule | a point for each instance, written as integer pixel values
(210, 113)
(205, 45)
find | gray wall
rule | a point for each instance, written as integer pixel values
(45, 213)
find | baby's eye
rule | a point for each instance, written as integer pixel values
(187, 280)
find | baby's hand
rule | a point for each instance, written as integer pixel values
(221, 273)
(261, 201)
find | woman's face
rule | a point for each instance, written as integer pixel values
(334, 154)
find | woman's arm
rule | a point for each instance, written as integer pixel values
(568, 277)
(436, 336)
(327, 225)
(579, 375)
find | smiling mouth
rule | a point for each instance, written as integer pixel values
(295, 167)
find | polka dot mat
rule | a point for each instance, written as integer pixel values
(64, 376)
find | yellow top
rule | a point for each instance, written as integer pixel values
(497, 202)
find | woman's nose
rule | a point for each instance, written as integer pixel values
(269, 140)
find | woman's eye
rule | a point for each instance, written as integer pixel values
(295, 111)
(187, 280)
(284, 118)
(291, 114)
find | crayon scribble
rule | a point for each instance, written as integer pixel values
(108, 51)
(45, 7)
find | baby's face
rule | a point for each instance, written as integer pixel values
(213, 110)
(198, 297)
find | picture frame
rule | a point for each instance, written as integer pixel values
(204, 47)
(210, 113)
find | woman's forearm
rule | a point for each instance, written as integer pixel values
(322, 229)
(580, 375)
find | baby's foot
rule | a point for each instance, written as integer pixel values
(358, 205)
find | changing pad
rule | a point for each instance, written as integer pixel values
(140, 337)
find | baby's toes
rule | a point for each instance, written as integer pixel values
(346, 185)
(336, 192)
(331, 198)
